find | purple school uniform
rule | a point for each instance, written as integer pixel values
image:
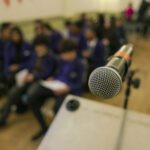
(54, 41)
(71, 73)
(42, 68)
(10, 53)
(98, 54)
(80, 40)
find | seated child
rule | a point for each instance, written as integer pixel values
(41, 66)
(16, 54)
(69, 76)
(76, 34)
(95, 52)
(5, 32)
(55, 37)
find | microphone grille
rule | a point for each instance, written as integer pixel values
(105, 82)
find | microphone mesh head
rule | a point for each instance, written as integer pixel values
(105, 82)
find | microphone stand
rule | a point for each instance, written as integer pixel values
(131, 82)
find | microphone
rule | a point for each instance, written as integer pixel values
(106, 82)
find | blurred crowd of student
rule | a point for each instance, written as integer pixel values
(66, 56)
(139, 20)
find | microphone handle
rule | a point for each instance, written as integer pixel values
(121, 61)
(119, 65)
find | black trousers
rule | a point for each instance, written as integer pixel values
(36, 98)
(14, 98)
(1, 71)
(146, 28)
(2, 79)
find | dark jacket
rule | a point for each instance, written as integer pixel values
(54, 41)
(10, 53)
(71, 73)
(98, 54)
(44, 67)
(80, 40)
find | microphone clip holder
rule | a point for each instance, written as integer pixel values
(131, 81)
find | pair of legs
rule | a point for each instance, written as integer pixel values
(3, 86)
(14, 98)
(35, 96)
(146, 28)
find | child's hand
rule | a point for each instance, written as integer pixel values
(29, 78)
(50, 79)
(14, 68)
(105, 41)
(86, 53)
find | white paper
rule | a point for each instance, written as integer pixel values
(20, 77)
(53, 85)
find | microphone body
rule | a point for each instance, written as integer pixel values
(105, 82)
(121, 61)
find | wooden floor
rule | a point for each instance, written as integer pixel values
(20, 128)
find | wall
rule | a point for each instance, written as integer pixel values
(20, 10)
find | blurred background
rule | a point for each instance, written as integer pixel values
(64, 40)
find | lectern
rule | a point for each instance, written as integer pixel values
(83, 124)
